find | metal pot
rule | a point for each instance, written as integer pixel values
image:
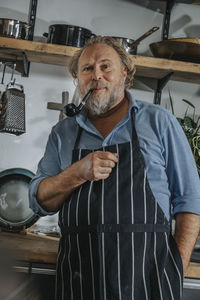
(69, 35)
(14, 28)
(130, 45)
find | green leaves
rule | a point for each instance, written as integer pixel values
(190, 126)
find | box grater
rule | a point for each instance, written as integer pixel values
(12, 116)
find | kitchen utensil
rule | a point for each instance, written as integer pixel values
(14, 28)
(3, 74)
(15, 213)
(69, 35)
(130, 45)
(12, 113)
(185, 49)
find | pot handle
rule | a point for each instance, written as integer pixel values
(145, 35)
(89, 35)
(45, 34)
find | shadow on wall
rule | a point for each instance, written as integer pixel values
(197, 93)
(179, 23)
(13, 14)
(153, 5)
(193, 31)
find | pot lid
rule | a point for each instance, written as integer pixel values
(15, 213)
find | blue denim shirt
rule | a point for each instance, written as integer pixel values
(170, 165)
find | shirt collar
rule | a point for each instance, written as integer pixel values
(133, 102)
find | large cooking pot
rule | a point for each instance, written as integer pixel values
(130, 45)
(184, 49)
(15, 213)
(14, 28)
(68, 35)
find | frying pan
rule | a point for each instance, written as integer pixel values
(15, 213)
(184, 49)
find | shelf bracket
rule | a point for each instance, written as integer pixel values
(31, 22)
(32, 18)
(166, 20)
(160, 85)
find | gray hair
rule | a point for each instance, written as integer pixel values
(124, 57)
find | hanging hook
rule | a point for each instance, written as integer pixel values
(12, 81)
(4, 70)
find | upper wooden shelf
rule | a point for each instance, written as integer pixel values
(12, 49)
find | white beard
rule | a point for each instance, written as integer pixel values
(98, 105)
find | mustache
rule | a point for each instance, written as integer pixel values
(95, 85)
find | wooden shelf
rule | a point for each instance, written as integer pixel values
(30, 247)
(158, 68)
(12, 49)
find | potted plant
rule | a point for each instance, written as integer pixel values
(191, 127)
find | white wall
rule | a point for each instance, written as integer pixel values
(46, 82)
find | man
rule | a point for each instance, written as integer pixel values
(113, 172)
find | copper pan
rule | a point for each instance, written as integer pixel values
(185, 49)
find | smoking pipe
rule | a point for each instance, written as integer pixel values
(71, 109)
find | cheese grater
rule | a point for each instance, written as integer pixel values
(12, 116)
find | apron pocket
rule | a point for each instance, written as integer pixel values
(174, 248)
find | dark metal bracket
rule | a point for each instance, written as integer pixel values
(32, 18)
(160, 85)
(166, 20)
(31, 22)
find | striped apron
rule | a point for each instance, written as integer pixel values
(115, 239)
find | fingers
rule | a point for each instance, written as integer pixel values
(102, 164)
(97, 165)
(101, 173)
(106, 155)
(107, 164)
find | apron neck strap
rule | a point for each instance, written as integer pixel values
(134, 133)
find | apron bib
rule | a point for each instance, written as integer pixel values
(116, 242)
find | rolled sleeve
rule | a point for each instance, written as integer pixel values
(184, 182)
(183, 204)
(48, 166)
(33, 203)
